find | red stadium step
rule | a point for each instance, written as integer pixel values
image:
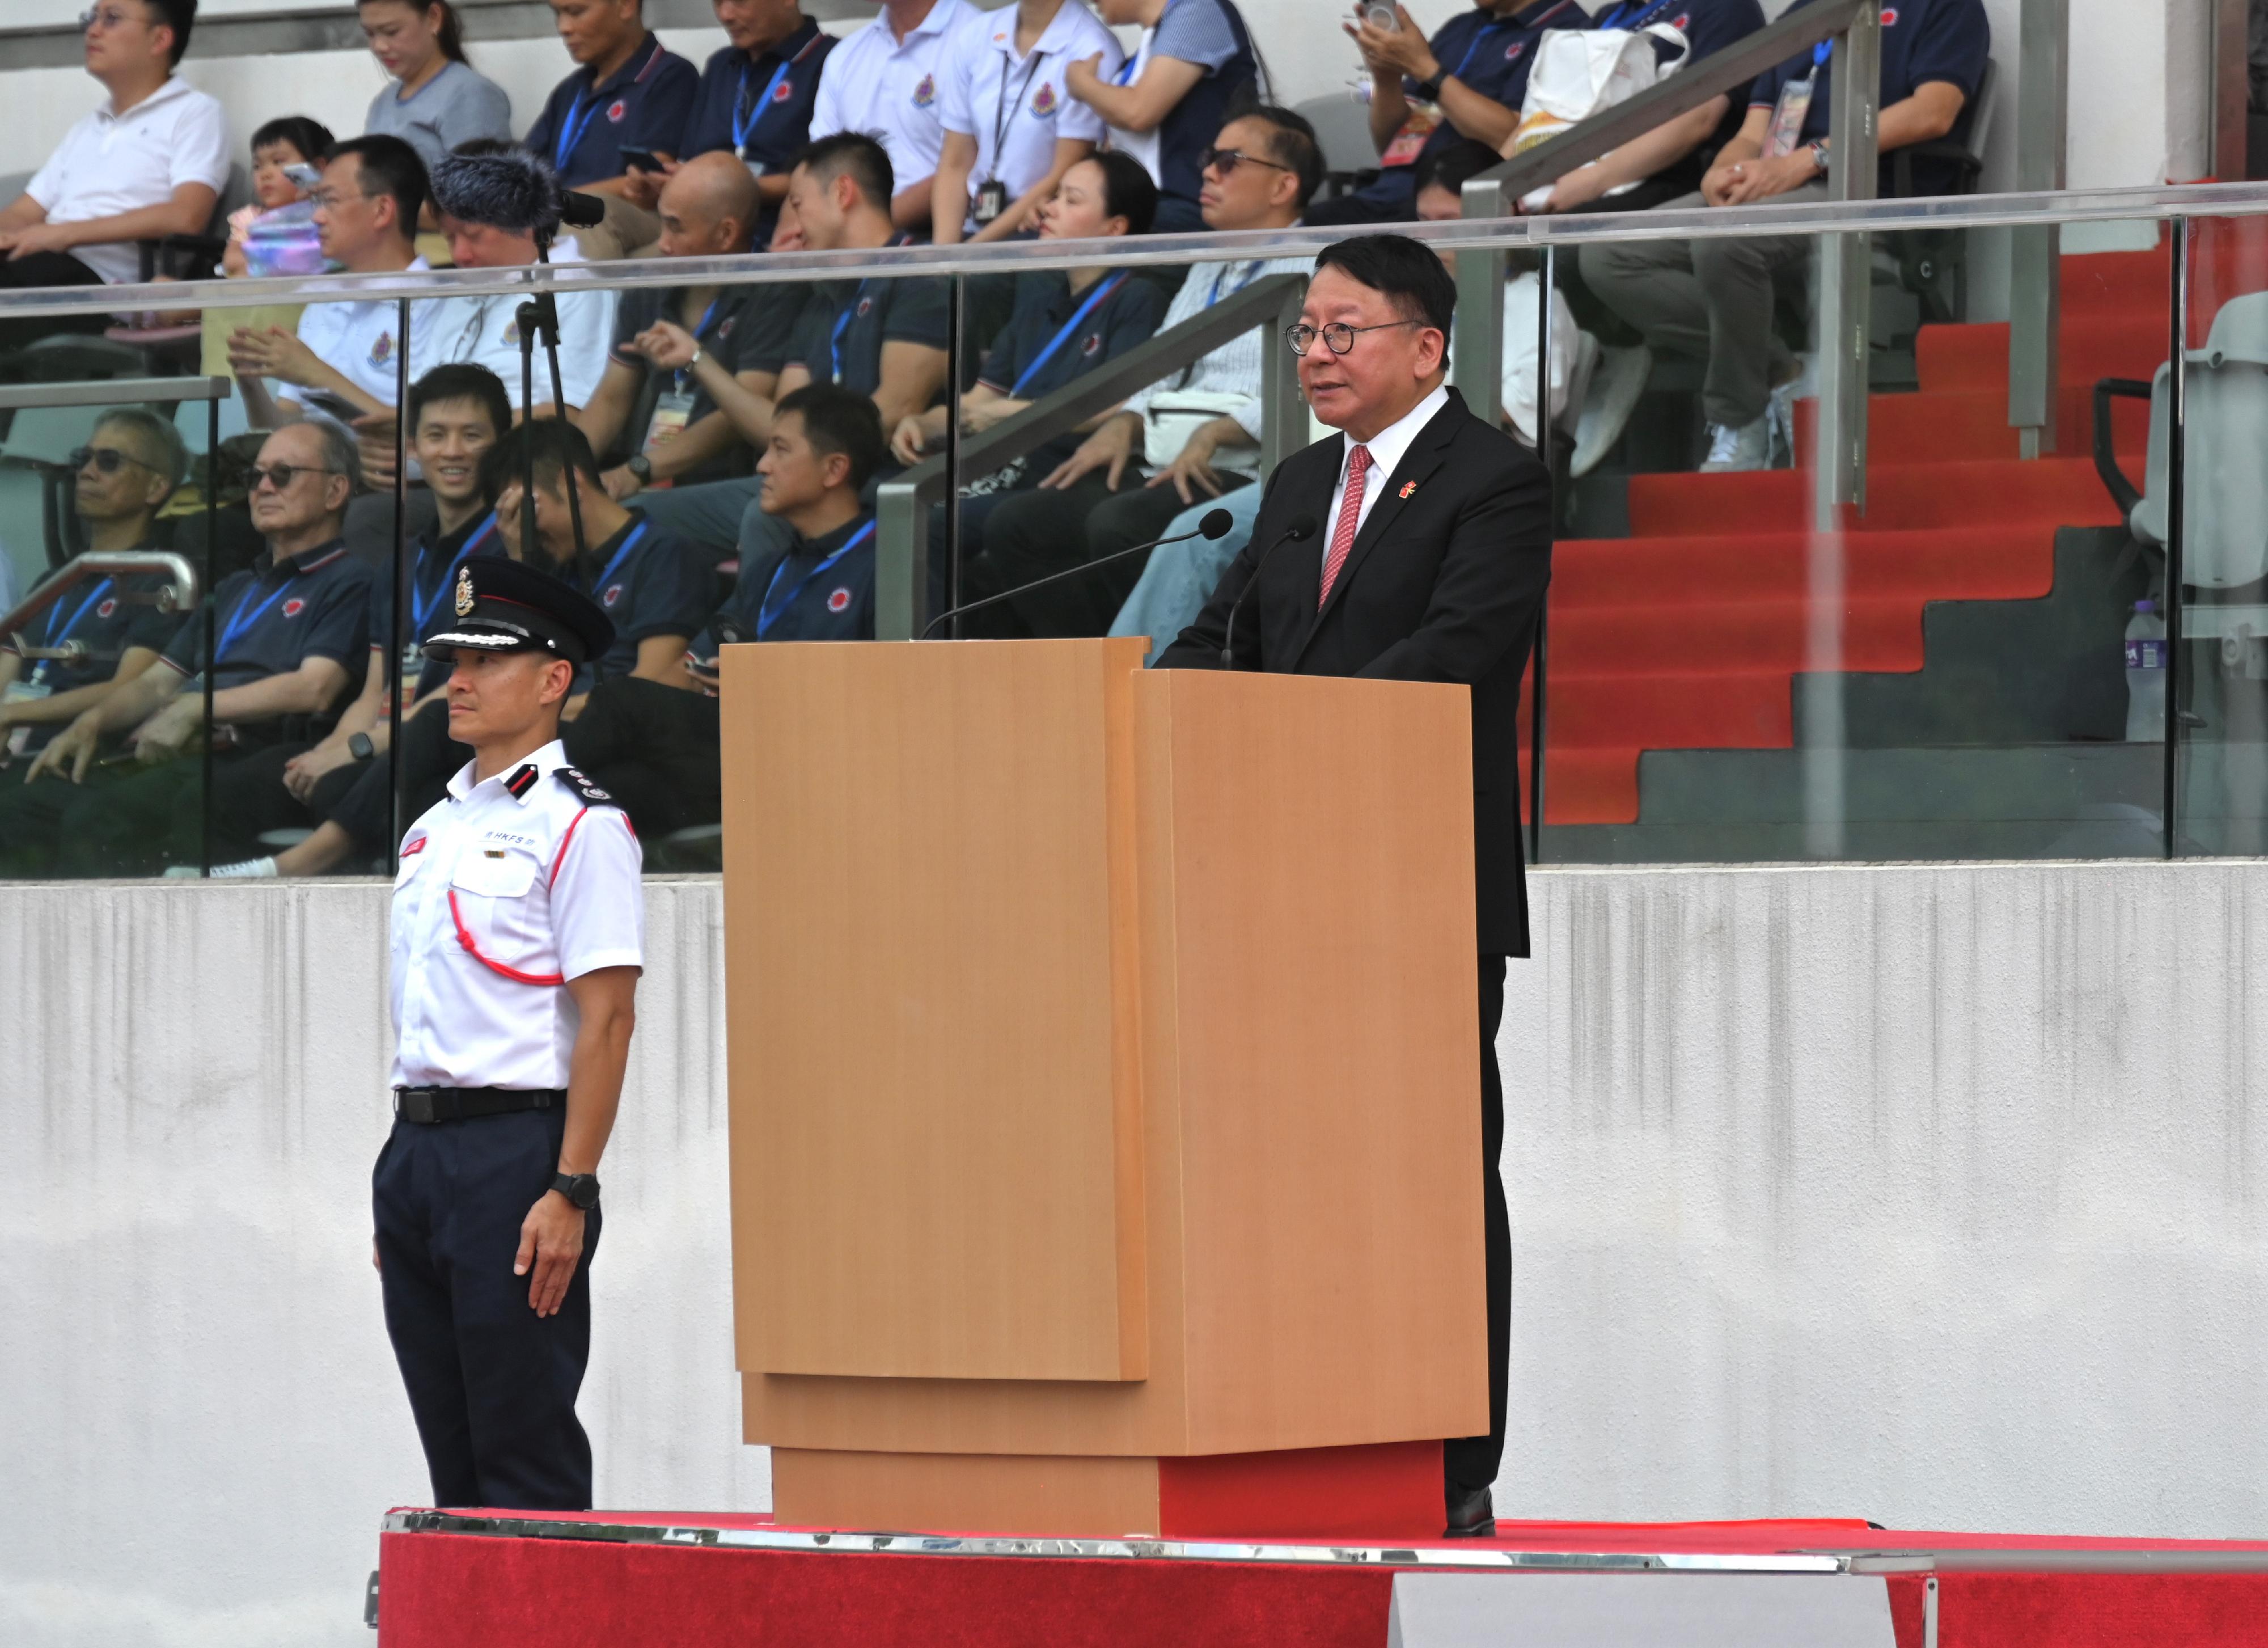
(1995, 563)
(2126, 345)
(2050, 492)
(1732, 637)
(1968, 424)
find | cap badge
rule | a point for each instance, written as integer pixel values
(464, 592)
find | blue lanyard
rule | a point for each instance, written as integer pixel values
(242, 620)
(743, 123)
(1125, 76)
(621, 554)
(422, 611)
(1633, 14)
(767, 615)
(571, 128)
(1819, 54)
(1479, 40)
(52, 612)
(1253, 274)
(1025, 377)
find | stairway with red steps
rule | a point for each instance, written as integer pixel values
(1688, 634)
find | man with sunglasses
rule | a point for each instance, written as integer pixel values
(1431, 564)
(151, 162)
(1198, 431)
(284, 634)
(129, 468)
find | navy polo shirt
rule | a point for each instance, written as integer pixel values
(583, 128)
(104, 617)
(274, 616)
(1041, 350)
(813, 592)
(763, 107)
(1922, 41)
(1490, 54)
(434, 560)
(650, 582)
(746, 328)
(840, 334)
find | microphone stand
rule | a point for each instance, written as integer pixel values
(954, 613)
(540, 314)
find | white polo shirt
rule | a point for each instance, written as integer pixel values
(356, 340)
(1017, 107)
(110, 164)
(893, 89)
(485, 332)
(507, 889)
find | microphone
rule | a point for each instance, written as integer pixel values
(1216, 523)
(1302, 528)
(513, 191)
(578, 211)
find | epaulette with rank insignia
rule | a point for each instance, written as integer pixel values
(583, 787)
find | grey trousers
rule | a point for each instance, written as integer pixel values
(708, 514)
(1710, 299)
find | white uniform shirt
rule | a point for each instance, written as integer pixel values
(543, 884)
(485, 332)
(1017, 107)
(356, 340)
(1388, 448)
(111, 164)
(893, 90)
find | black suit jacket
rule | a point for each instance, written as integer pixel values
(1445, 582)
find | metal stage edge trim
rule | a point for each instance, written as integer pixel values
(1999, 1559)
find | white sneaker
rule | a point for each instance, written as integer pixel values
(1616, 383)
(250, 870)
(1732, 451)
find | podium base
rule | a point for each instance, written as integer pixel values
(1385, 1490)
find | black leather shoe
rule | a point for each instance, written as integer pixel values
(1472, 1513)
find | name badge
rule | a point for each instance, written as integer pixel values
(1410, 142)
(671, 415)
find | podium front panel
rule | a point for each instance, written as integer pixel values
(929, 954)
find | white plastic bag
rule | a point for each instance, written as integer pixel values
(1580, 72)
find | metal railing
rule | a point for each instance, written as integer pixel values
(180, 594)
(902, 576)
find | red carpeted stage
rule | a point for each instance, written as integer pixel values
(468, 1580)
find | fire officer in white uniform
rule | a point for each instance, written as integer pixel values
(516, 943)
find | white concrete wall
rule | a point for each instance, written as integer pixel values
(1932, 1194)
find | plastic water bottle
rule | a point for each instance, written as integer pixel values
(2146, 675)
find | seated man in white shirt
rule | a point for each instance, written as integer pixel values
(366, 211)
(151, 162)
(887, 80)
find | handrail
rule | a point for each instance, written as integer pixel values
(902, 509)
(2154, 203)
(1683, 91)
(180, 594)
(113, 392)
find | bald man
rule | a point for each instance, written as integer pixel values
(687, 393)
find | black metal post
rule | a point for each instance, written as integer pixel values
(404, 582)
(213, 534)
(2176, 481)
(1535, 718)
(955, 333)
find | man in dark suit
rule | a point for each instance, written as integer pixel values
(1430, 564)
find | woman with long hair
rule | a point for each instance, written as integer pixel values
(435, 99)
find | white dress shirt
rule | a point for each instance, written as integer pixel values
(111, 164)
(546, 886)
(1229, 377)
(893, 89)
(1388, 448)
(356, 340)
(1018, 107)
(485, 332)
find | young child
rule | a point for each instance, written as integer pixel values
(276, 234)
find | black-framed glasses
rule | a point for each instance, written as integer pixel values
(280, 476)
(1227, 160)
(1338, 335)
(105, 459)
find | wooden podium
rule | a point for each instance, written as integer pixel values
(1105, 1096)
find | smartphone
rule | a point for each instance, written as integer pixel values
(303, 175)
(1382, 17)
(329, 404)
(641, 160)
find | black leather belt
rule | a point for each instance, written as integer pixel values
(428, 1104)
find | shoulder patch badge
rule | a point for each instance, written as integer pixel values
(583, 787)
(464, 592)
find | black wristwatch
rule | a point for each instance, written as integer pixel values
(582, 1189)
(641, 466)
(1430, 90)
(360, 746)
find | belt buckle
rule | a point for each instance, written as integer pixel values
(415, 1105)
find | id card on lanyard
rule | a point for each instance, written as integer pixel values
(1794, 107)
(673, 412)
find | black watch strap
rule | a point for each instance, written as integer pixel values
(360, 746)
(1431, 90)
(641, 466)
(582, 1189)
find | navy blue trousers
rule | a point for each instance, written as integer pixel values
(1470, 1462)
(491, 1383)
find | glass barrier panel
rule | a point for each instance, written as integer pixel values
(1744, 665)
(2217, 633)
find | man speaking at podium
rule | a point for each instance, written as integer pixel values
(1430, 564)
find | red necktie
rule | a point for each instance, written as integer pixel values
(1350, 518)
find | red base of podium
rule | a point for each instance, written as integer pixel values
(474, 1579)
(1388, 1491)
